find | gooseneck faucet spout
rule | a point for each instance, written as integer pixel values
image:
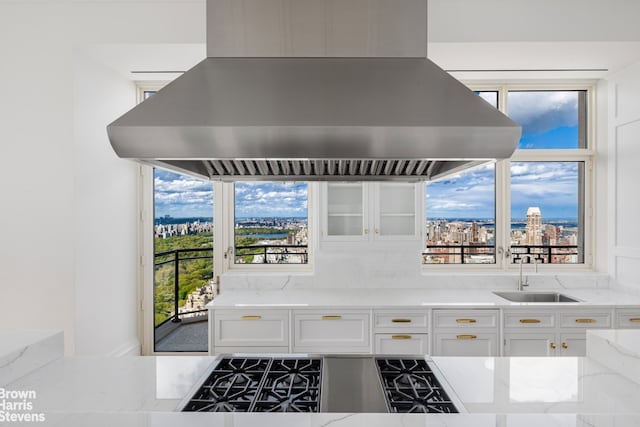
(524, 281)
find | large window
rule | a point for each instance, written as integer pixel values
(271, 223)
(532, 208)
(183, 260)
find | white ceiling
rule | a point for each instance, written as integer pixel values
(481, 39)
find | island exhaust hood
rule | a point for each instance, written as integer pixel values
(315, 90)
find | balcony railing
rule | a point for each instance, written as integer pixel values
(176, 257)
(462, 254)
(273, 254)
(546, 254)
(482, 254)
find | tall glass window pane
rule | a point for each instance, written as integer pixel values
(460, 223)
(490, 96)
(547, 212)
(550, 119)
(271, 223)
(183, 260)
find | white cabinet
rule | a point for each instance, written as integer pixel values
(401, 332)
(371, 210)
(331, 331)
(550, 332)
(250, 331)
(466, 332)
(627, 318)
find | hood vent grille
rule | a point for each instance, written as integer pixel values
(315, 170)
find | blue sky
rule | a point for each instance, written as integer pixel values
(182, 196)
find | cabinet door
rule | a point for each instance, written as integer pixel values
(332, 332)
(396, 210)
(251, 328)
(573, 344)
(401, 344)
(345, 211)
(526, 344)
(628, 318)
(466, 344)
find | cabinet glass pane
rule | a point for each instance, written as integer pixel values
(397, 199)
(396, 225)
(344, 199)
(344, 225)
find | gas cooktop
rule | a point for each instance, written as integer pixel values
(321, 384)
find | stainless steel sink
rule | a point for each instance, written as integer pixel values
(535, 297)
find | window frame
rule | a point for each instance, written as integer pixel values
(228, 236)
(503, 183)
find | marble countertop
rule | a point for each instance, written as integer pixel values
(392, 298)
(500, 391)
(22, 352)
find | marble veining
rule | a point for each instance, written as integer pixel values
(619, 350)
(22, 352)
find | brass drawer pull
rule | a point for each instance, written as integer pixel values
(635, 320)
(564, 345)
(331, 317)
(586, 321)
(404, 320)
(529, 320)
(552, 345)
(251, 317)
(465, 320)
(466, 337)
(400, 337)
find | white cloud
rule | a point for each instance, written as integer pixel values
(541, 111)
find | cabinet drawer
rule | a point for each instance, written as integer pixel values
(401, 344)
(466, 344)
(251, 350)
(251, 328)
(628, 319)
(331, 332)
(465, 319)
(529, 320)
(395, 321)
(586, 320)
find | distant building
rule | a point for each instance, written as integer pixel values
(534, 226)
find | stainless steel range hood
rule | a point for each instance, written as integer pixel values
(384, 111)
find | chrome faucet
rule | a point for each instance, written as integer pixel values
(524, 281)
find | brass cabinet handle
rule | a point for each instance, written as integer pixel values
(400, 320)
(332, 317)
(529, 320)
(552, 345)
(635, 320)
(366, 231)
(377, 231)
(466, 337)
(564, 345)
(251, 317)
(465, 320)
(400, 337)
(586, 320)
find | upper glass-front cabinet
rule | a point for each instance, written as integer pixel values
(376, 210)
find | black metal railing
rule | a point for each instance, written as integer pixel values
(464, 252)
(547, 254)
(176, 256)
(274, 254)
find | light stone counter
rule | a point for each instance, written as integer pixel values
(22, 352)
(392, 298)
(145, 391)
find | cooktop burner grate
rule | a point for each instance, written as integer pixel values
(410, 385)
(260, 385)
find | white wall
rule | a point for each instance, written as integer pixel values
(624, 175)
(105, 196)
(68, 241)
